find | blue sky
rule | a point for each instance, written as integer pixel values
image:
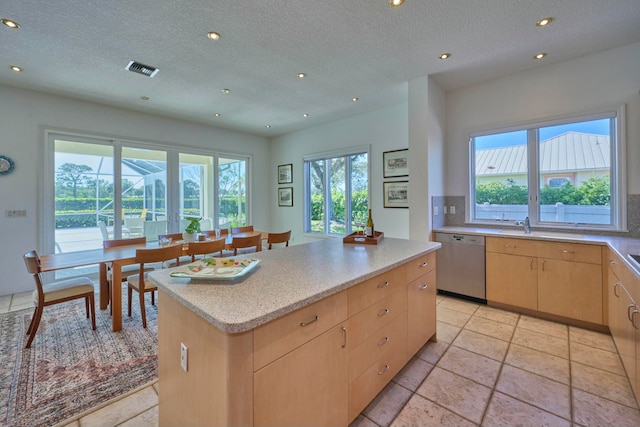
(598, 127)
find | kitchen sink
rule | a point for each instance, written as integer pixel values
(547, 234)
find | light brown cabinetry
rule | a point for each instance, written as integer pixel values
(421, 304)
(563, 279)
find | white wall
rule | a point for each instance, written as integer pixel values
(385, 129)
(25, 115)
(606, 79)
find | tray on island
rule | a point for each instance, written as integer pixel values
(216, 268)
(360, 238)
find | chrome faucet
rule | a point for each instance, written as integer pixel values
(525, 224)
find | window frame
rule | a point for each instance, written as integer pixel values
(617, 168)
(329, 155)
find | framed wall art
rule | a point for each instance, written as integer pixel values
(396, 194)
(285, 196)
(285, 174)
(396, 163)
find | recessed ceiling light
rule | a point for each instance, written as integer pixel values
(144, 98)
(540, 55)
(354, 99)
(444, 56)
(213, 35)
(11, 24)
(225, 90)
(396, 3)
(305, 115)
(15, 68)
(268, 126)
(217, 114)
(544, 22)
(302, 75)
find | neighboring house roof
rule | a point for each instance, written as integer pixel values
(569, 152)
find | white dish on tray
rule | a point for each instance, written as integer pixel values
(216, 268)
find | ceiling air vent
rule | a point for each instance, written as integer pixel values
(139, 68)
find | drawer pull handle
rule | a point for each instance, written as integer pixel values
(611, 261)
(633, 318)
(424, 264)
(542, 265)
(344, 337)
(615, 289)
(383, 342)
(423, 287)
(564, 251)
(629, 311)
(383, 285)
(531, 264)
(510, 246)
(383, 312)
(315, 319)
(385, 369)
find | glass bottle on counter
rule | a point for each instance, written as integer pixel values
(369, 231)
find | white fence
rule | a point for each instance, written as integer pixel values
(572, 214)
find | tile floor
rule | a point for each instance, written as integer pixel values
(489, 367)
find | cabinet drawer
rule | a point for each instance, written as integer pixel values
(421, 309)
(282, 335)
(512, 246)
(373, 290)
(373, 380)
(373, 347)
(419, 266)
(577, 252)
(376, 316)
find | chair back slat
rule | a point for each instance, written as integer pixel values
(32, 261)
(243, 229)
(279, 238)
(172, 236)
(245, 242)
(205, 248)
(124, 242)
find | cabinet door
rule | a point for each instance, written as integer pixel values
(421, 307)
(570, 289)
(306, 387)
(622, 330)
(512, 280)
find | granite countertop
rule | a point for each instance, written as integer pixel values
(622, 246)
(287, 279)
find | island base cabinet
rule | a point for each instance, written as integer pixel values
(512, 280)
(421, 307)
(305, 387)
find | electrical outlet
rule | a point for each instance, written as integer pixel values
(452, 209)
(435, 210)
(444, 210)
(183, 356)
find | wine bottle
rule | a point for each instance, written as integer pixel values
(369, 230)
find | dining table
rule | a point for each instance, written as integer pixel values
(117, 257)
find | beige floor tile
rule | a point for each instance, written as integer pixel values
(362, 421)
(544, 326)
(4, 309)
(22, 297)
(601, 383)
(440, 298)
(505, 411)
(591, 410)
(539, 341)
(459, 305)
(547, 365)
(446, 332)
(490, 327)
(542, 392)
(414, 372)
(148, 418)
(470, 365)
(497, 315)
(5, 301)
(422, 412)
(596, 358)
(432, 351)
(592, 338)
(74, 423)
(122, 410)
(22, 306)
(452, 317)
(482, 344)
(460, 395)
(384, 408)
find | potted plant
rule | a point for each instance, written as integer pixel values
(192, 230)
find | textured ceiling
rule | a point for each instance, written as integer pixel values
(348, 48)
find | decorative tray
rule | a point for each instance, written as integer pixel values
(216, 268)
(357, 237)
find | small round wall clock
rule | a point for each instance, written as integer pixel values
(6, 165)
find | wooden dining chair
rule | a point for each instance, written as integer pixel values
(243, 229)
(139, 282)
(212, 233)
(205, 248)
(173, 236)
(127, 270)
(273, 238)
(55, 293)
(246, 242)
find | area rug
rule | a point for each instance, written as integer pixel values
(71, 368)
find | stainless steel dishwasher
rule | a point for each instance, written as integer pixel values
(460, 265)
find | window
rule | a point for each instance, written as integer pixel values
(559, 173)
(336, 191)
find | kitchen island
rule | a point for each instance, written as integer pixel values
(308, 338)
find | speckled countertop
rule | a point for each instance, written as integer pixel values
(622, 246)
(287, 279)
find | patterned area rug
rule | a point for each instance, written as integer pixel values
(71, 368)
